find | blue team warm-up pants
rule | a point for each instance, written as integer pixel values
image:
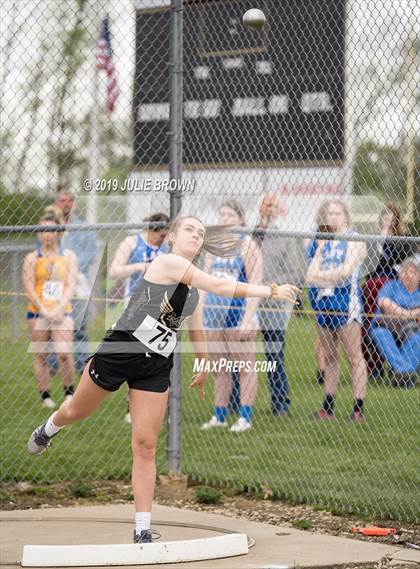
(403, 359)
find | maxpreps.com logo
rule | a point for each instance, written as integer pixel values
(222, 364)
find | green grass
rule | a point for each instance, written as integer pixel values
(301, 523)
(81, 490)
(370, 469)
(205, 495)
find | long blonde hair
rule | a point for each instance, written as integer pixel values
(397, 226)
(218, 240)
(322, 215)
(235, 206)
(53, 213)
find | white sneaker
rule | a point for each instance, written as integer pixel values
(49, 403)
(127, 418)
(68, 397)
(214, 422)
(240, 425)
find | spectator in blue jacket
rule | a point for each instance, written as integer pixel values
(396, 330)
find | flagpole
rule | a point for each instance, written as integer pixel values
(93, 159)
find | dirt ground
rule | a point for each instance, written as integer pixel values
(176, 492)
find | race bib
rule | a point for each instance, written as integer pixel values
(156, 336)
(226, 275)
(52, 290)
(323, 292)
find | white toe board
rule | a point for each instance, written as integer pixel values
(135, 554)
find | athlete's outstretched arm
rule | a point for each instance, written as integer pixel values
(179, 269)
(70, 286)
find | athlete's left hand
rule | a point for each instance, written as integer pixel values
(199, 380)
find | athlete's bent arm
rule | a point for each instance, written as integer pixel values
(393, 309)
(322, 278)
(56, 314)
(120, 267)
(28, 278)
(254, 273)
(71, 281)
(356, 255)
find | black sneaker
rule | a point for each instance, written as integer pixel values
(39, 441)
(405, 380)
(145, 536)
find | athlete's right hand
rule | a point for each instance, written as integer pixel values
(199, 380)
(285, 292)
(56, 314)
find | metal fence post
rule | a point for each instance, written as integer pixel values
(15, 299)
(175, 172)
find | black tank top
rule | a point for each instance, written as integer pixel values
(151, 320)
(168, 304)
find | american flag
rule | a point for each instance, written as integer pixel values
(104, 61)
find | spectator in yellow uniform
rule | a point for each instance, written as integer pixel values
(49, 280)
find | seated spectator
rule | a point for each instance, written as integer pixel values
(397, 332)
(389, 254)
(335, 297)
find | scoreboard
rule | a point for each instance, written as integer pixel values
(274, 96)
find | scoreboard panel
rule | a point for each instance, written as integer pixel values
(249, 97)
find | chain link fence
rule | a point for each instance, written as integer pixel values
(305, 136)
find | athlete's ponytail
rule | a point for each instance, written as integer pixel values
(218, 240)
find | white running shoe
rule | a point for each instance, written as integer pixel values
(240, 425)
(68, 397)
(127, 418)
(39, 441)
(214, 422)
(49, 403)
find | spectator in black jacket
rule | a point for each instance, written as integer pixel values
(390, 253)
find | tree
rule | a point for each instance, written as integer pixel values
(62, 146)
(33, 108)
(381, 170)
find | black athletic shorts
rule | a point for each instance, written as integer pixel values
(115, 362)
